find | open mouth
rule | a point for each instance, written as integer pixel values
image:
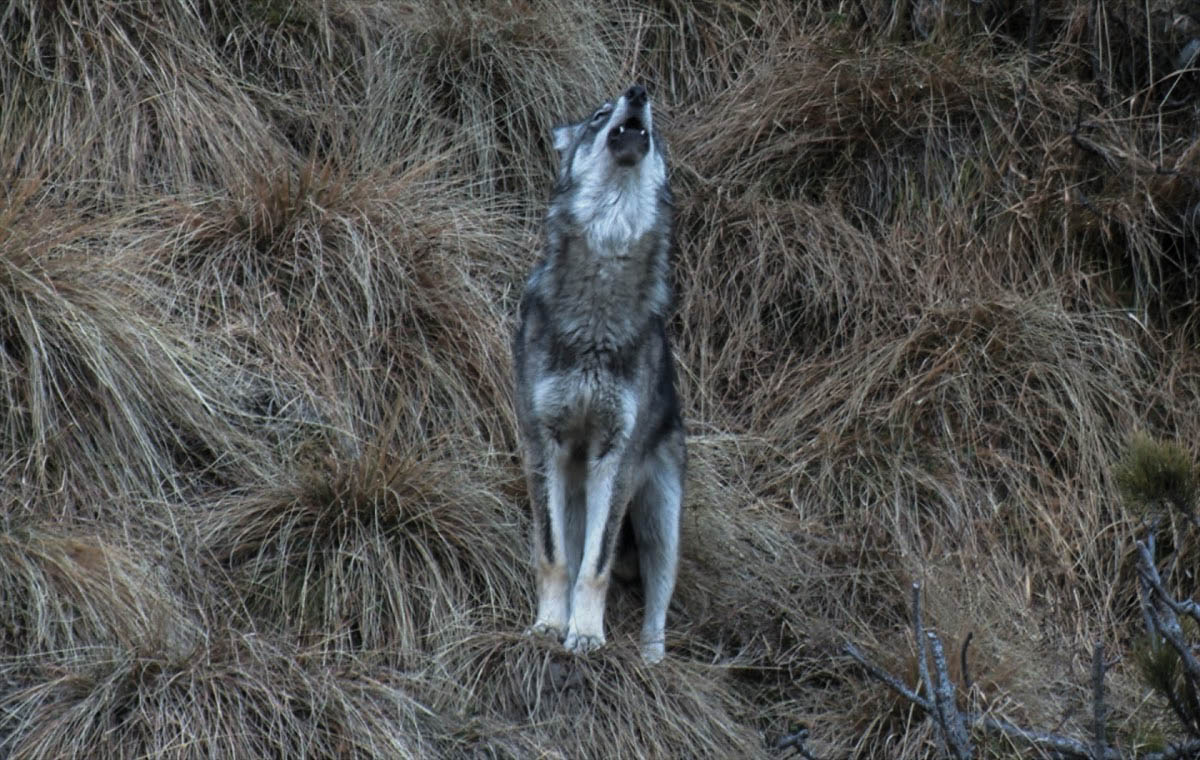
(632, 124)
(629, 141)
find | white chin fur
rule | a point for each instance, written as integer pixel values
(615, 205)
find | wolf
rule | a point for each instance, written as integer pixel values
(599, 418)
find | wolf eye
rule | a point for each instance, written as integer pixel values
(601, 114)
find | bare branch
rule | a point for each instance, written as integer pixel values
(1165, 622)
(945, 711)
(1099, 743)
(1043, 740)
(1147, 602)
(795, 740)
(1161, 620)
(954, 730)
(919, 639)
(1150, 572)
(962, 658)
(953, 724)
(886, 678)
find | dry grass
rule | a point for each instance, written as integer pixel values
(233, 696)
(105, 396)
(392, 552)
(258, 266)
(610, 705)
(66, 593)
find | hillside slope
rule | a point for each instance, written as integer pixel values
(258, 272)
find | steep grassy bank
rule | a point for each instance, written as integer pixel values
(258, 266)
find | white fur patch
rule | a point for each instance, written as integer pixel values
(616, 205)
(564, 136)
(629, 409)
(542, 390)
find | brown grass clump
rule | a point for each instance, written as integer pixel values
(392, 552)
(606, 706)
(326, 279)
(63, 594)
(743, 563)
(230, 697)
(102, 394)
(103, 100)
(494, 77)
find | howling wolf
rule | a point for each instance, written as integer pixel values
(595, 384)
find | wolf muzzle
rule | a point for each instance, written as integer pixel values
(629, 139)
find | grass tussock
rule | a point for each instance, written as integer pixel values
(334, 280)
(258, 271)
(65, 593)
(494, 77)
(103, 393)
(102, 100)
(231, 697)
(392, 552)
(732, 602)
(640, 711)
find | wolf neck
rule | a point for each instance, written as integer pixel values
(613, 217)
(607, 295)
(613, 214)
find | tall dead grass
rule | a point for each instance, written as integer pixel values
(232, 696)
(393, 552)
(105, 395)
(258, 265)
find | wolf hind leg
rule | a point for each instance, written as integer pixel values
(654, 514)
(625, 560)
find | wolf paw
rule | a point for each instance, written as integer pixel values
(653, 652)
(545, 631)
(582, 644)
(653, 640)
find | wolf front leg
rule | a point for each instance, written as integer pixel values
(606, 495)
(547, 491)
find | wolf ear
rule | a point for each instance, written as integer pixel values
(563, 135)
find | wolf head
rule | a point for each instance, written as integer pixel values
(612, 170)
(618, 135)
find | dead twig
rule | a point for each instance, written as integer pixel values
(887, 679)
(954, 724)
(962, 661)
(795, 740)
(954, 728)
(1099, 743)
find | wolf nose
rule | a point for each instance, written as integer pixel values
(636, 96)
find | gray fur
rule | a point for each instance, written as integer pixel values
(595, 392)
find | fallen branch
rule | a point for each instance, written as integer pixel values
(1161, 613)
(795, 740)
(953, 724)
(954, 728)
(887, 679)
(1150, 574)
(1044, 740)
(1164, 623)
(1099, 745)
